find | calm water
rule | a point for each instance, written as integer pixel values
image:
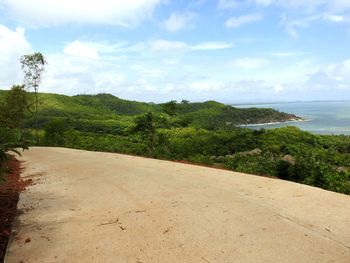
(322, 117)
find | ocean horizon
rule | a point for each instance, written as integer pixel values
(320, 117)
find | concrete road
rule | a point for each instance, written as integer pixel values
(103, 207)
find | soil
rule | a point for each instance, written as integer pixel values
(9, 194)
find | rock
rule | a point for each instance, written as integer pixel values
(251, 153)
(289, 159)
(341, 169)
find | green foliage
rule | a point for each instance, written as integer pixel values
(33, 66)
(10, 141)
(260, 164)
(109, 103)
(14, 107)
(12, 112)
(170, 107)
(144, 124)
(55, 132)
(210, 115)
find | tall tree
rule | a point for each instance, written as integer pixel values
(33, 66)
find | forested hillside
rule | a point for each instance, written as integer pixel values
(107, 113)
(108, 107)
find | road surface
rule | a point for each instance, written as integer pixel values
(104, 207)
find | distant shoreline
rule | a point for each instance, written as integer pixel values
(272, 123)
(238, 105)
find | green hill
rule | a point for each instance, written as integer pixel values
(106, 108)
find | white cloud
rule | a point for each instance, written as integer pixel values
(80, 49)
(178, 21)
(147, 72)
(72, 75)
(227, 4)
(212, 46)
(292, 26)
(109, 79)
(238, 21)
(283, 54)
(57, 12)
(339, 5)
(161, 70)
(278, 88)
(166, 45)
(78, 70)
(334, 18)
(206, 86)
(307, 6)
(263, 2)
(331, 77)
(250, 63)
(13, 45)
(243, 90)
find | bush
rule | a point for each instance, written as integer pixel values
(55, 132)
(10, 141)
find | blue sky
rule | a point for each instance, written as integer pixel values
(159, 50)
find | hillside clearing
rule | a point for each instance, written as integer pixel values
(104, 207)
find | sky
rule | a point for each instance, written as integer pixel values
(159, 50)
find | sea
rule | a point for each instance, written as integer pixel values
(320, 117)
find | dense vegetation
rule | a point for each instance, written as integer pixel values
(13, 106)
(203, 133)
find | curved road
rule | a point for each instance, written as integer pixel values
(104, 207)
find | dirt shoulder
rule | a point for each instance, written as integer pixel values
(103, 207)
(9, 194)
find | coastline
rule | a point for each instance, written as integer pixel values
(272, 123)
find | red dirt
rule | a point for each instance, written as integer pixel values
(9, 193)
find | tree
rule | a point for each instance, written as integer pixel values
(14, 108)
(170, 107)
(145, 126)
(55, 131)
(33, 66)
